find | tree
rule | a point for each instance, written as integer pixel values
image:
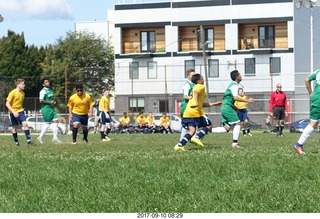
(79, 57)
(19, 60)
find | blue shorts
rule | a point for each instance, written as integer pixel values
(103, 119)
(199, 122)
(82, 119)
(17, 121)
(243, 114)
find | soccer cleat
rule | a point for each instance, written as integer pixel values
(197, 141)
(299, 148)
(235, 145)
(281, 135)
(56, 140)
(245, 135)
(39, 140)
(17, 143)
(105, 140)
(179, 148)
(74, 142)
(85, 141)
(30, 143)
(249, 134)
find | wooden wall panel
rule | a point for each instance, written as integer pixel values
(131, 39)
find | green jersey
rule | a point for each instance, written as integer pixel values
(315, 98)
(187, 86)
(228, 112)
(230, 92)
(46, 94)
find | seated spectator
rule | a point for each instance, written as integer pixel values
(124, 121)
(165, 123)
(150, 121)
(141, 121)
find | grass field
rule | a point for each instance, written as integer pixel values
(142, 173)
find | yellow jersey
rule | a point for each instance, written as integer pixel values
(241, 105)
(140, 120)
(164, 121)
(104, 101)
(150, 119)
(16, 99)
(124, 120)
(197, 111)
(80, 104)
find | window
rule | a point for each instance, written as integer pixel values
(134, 70)
(213, 68)
(188, 64)
(266, 37)
(152, 70)
(275, 65)
(136, 104)
(250, 67)
(208, 38)
(147, 41)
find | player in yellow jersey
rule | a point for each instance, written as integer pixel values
(194, 116)
(80, 107)
(124, 121)
(105, 116)
(141, 121)
(243, 113)
(17, 117)
(165, 124)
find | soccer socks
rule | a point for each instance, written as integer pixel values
(102, 135)
(15, 137)
(280, 130)
(219, 130)
(85, 134)
(243, 131)
(108, 131)
(305, 134)
(74, 134)
(185, 139)
(183, 133)
(55, 130)
(236, 133)
(202, 133)
(27, 133)
(43, 130)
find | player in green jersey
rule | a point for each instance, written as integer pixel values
(47, 110)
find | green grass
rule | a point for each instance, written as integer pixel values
(142, 173)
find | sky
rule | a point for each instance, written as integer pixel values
(45, 21)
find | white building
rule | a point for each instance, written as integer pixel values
(268, 41)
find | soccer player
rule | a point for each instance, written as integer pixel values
(186, 91)
(96, 116)
(105, 116)
(314, 110)
(165, 123)
(150, 122)
(141, 121)
(49, 114)
(17, 117)
(243, 113)
(80, 107)
(194, 115)
(124, 121)
(228, 112)
(277, 104)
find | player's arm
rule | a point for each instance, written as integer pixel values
(218, 103)
(307, 81)
(8, 105)
(195, 97)
(186, 92)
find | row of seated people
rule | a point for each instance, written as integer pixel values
(145, 124)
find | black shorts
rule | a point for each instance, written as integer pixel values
(279, 113)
